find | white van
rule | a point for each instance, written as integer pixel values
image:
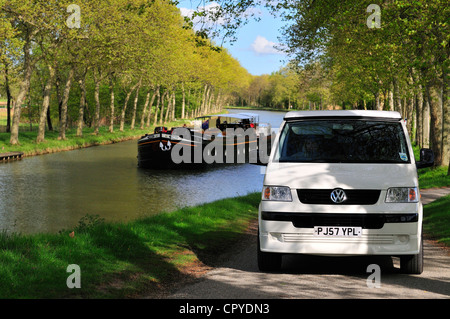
(342, 183)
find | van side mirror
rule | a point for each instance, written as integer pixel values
(426, 158)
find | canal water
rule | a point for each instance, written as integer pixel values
(52, 192)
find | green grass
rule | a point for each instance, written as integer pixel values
(436, 221)
(434, 177)
(120, 260)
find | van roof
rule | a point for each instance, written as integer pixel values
(368, 114)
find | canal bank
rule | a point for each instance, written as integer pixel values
(52, 144)
(123, 260)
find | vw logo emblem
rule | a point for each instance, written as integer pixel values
(338, 196)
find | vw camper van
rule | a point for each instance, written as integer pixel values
(342, 183)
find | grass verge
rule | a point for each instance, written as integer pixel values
(27, 139)
(122, 260)
(434, 177)
(436, 220)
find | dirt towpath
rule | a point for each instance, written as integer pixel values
(238, 276)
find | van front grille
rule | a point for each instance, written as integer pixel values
(366, 221)
(354, 196)
(358, 220)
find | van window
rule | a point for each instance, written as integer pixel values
(342, 141)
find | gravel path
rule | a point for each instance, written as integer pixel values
(315, 277)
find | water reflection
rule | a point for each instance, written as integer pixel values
(52, 192)
(172, 189)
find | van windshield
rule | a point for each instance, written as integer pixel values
(342, 141)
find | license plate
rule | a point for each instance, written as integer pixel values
(335, 231)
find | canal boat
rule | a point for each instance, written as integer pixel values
(155, 150)
(213, 139)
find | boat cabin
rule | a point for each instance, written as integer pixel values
(224, 121)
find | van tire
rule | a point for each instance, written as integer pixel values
(412, 264)
(268, 261)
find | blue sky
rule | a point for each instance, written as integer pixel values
(254, 47)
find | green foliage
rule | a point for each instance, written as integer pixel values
(437, 220)
(116, 47)
(434, 177)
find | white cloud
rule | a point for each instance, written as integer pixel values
(210, 8)
(263, 46)
(185, 12)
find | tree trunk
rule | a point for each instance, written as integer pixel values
(391, 100)
(202, 106)
(219, 101)
(397, 98)
(419, 117)
(206, 100)
(65, 100)
(111, 105)
(435, 127)
(211, 98)
(445, 118)
(183, 102)
(49, 120)
(426, 121)
(188, 102)
(23, 91)
(97, 79)
(45, 104)
(173, 106)
(149, 113)
(377, 100)
(8, 100)
(58, 93)
(161, 116)
(80, 121)
(144, 111)
(169, 105)
(136, 98)
(158, 99)
(122, 115)
(88, 116)
(409, 107)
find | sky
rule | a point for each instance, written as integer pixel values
(254, 48)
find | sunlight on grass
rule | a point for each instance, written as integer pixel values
(137, 254)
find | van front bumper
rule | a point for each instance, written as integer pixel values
(393, 238)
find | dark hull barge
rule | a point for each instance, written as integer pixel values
(229, 142)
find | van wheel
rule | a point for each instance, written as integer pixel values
(268, 261)
(412, 264)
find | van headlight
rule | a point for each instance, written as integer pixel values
(402, 195)
(279, 193)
